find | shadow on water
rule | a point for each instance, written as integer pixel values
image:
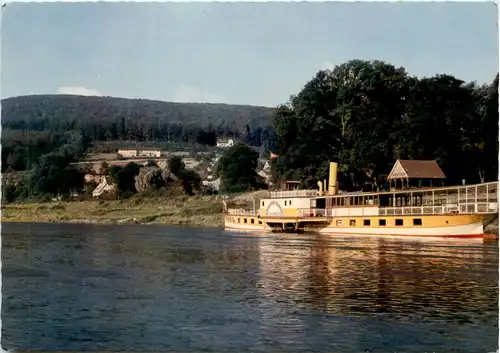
(84, 287)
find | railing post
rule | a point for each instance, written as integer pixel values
(487, 199)
(475, 203)
(466, 201)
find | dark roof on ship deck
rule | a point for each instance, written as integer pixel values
(414, 169)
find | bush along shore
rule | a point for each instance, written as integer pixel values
(203, 211)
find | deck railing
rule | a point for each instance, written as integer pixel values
(240, 212)
(471, 208)
(313, 212)
(294, 193)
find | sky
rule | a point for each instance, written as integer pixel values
(235, 53)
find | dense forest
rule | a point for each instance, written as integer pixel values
(365, 115)
(362, 114)
(35, 125)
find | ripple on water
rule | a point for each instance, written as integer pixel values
(80, 287)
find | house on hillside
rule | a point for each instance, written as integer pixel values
(212, 184)
(267, 167)
(150, 153)
(91, 178)
(225, 143)
(128, 153)
(190, 163)
(105, 186)
(133, 153)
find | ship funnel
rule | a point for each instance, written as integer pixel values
(320, 186)
(332, 182)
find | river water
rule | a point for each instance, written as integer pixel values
(138, 288)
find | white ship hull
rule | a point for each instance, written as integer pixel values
(467, 230)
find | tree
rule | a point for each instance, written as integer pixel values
(149, 178)
(237, 169)
(190, 181)
(364, 115)
(9, 193)
(207, 138)
(125, 177)
(176, 165)
(54, 175)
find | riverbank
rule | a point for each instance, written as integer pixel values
(205, 211)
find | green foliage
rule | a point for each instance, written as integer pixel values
(365, 115)
(190, 181)
(22, 149)
(237, 169)
(125, 177)
(176, 165)
(207, 138)
(54, 175)
(9, 193)
(108, 119)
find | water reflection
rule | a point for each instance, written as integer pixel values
(376, 276)
(161, 288)
(447, 285)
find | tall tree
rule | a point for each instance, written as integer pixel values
(237, 169)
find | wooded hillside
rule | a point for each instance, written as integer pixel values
(38, 124)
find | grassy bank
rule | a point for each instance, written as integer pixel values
(197, 211)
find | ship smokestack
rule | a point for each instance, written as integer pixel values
(332, 182)
(320, 186)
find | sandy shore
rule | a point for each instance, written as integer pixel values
(203, 211)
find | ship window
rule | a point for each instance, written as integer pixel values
(381, 222)
(290, 203)
(245, 220)
(366, 222)
(352, 222)
(339, 222)
(399, 222)
(285, 202)
(239, 221)
(417, 221)
(260, 222)
(262, 203)
(252, 221)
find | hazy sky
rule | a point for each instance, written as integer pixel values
(258, 53)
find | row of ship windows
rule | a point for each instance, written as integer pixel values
(352, 222)
(245, 220)
(381, 222)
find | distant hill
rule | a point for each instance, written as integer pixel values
(40, 124)
(42, 112)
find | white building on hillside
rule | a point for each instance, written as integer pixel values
(150, 153)
(225, 143)
(128, 153)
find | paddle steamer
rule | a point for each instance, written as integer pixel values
(458, 211)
